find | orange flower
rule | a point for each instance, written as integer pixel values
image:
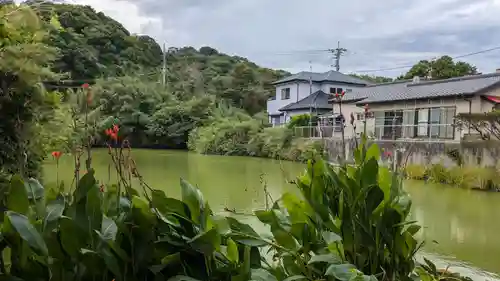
(56, 154)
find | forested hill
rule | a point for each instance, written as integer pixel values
(93, 45)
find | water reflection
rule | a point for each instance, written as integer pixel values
(464, 223)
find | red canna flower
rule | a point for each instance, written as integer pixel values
(337, 95)
(56, 154)
(112, 132)
(343, 93)
(387, 153)
(85, 85)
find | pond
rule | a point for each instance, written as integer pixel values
(465, 224)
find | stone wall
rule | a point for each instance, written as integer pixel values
(419, 152)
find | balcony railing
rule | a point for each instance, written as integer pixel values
(382, 132)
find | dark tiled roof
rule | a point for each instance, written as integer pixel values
(330, 76)
(408, 90)
(317, 100)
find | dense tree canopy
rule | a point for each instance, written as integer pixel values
(372, 78)
(442, 68)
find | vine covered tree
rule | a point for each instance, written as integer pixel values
(25, 61)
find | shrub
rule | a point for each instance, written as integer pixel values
(416, 172)
(302, 120)
(349, 221)
(438, 173)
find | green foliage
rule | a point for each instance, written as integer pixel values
(94, 45)
(302, 120)
(470, 177)
(349, 221)
(442, 68)
(372, 78)
(24, 62)
(235, 133)
(88, 235)
(416, 172)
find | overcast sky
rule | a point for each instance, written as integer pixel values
(285, 33)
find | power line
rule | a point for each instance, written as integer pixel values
(411, 65)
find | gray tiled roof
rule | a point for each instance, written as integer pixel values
(317, 100)
(407, 90)
(329, 76)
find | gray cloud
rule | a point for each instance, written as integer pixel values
(378, 34)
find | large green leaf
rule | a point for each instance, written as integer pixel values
(168, 206)
(294, 278)
(327, 258)
(141, 211)
(93, 209)
(108, 229)
(285, 239)
(54, 211)
(34, 189)
(206, 242)
(373, 152)
(232, 251)
(342, 272)
(191, 196)
(111, 261)
(71, 236)
(27, 231)
(84, 185)
(244, 234)
(18, 198)
(262, 275)
(331, 237)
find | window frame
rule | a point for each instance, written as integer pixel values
(285, 93)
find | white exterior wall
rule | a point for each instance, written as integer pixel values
(298, 91)
(325, 87)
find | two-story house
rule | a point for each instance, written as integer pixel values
(415, 109)
(306, 91)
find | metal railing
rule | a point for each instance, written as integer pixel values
(382, 132)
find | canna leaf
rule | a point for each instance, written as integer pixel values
(232, 251)
(193, 199)
(17, 200)
(27, 231)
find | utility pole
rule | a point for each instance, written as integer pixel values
(337, 52)
(310, 104)
(164, 67)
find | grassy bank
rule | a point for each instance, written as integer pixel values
(471, 177)
(243, 135)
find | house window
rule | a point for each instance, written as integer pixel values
(334, 91)
(285, 93)
(421, 122)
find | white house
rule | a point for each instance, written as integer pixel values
(305, 91)
(409, 110)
